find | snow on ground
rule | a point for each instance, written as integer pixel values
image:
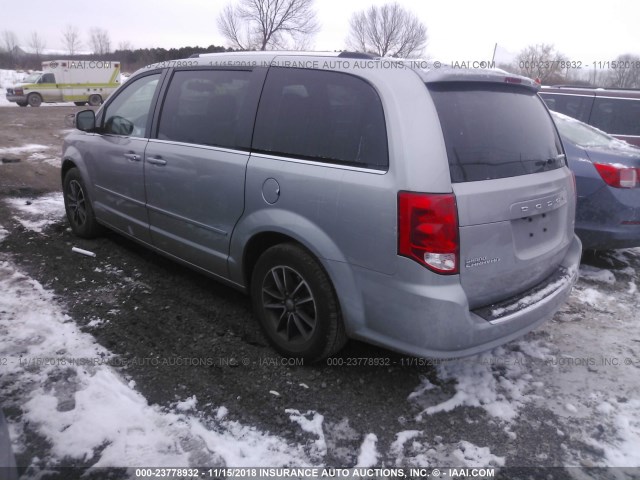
(36, 214)
(61, 380)
(577, 366)
(368, 456)
(583, 367)
(312, 425)
(8, 78)
(23, 149)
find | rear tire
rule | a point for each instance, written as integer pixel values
(296, 304)
(34, 99)
(78, 206)
(95, 100)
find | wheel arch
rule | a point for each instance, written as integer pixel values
(262, 230)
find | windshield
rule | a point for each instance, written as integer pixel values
(32, 78)
(495, 131)
(582, 134)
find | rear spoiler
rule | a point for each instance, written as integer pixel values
(448, 74)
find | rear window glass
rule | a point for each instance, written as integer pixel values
(495, 131)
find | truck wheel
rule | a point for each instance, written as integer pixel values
(95, 100)
(78, 206)
(296, 304)
(80, 104)
(22, 104)
(34, 99)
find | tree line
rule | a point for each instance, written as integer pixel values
(387, 30)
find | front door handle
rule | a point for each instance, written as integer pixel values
(132, 157)
(156, 161)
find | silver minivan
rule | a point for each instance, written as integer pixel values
(429, 211)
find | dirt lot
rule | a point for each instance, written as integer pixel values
(513, 402)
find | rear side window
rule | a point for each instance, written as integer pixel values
(209, 107)
(495, 131)
(616, 116)
(323, 116)
(576, 106)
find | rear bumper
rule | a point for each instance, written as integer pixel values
(604, 237)
(601, 217)
(405, 314)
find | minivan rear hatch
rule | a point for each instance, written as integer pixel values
(514, 194)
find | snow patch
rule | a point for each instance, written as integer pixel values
(32, 147)
(311, 422)
(38, 213)
(589, 296)
(473, 456)
(496, 381)
(188, 404)
(368, 456)
(58, 377)
(594, 274)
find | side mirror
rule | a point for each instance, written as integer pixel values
(86, 120)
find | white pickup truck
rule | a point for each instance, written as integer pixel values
(78, 81)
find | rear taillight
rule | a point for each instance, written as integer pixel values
(618, 176)
(428, 230)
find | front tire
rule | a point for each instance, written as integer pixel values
(78, 206)
(95, 100)
(296, 304)
(22, 104)
(34, 99)
(80, 104)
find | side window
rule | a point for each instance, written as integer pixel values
(576, 106)
(616, 116)
(48, 78)
(208, 107)
(323, 116)
(128, 113)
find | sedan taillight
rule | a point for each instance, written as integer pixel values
(618, 176)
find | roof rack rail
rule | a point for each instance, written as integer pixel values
(359, 55)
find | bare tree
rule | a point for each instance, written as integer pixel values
(71, 39)
(36, 42)
(263, 24)
(389, 30)
(626, 73)
(543, 62)
(99, 41)
(9, 41)
(10, 45)
(125, 46)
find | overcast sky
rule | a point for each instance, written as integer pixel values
(459, 30)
